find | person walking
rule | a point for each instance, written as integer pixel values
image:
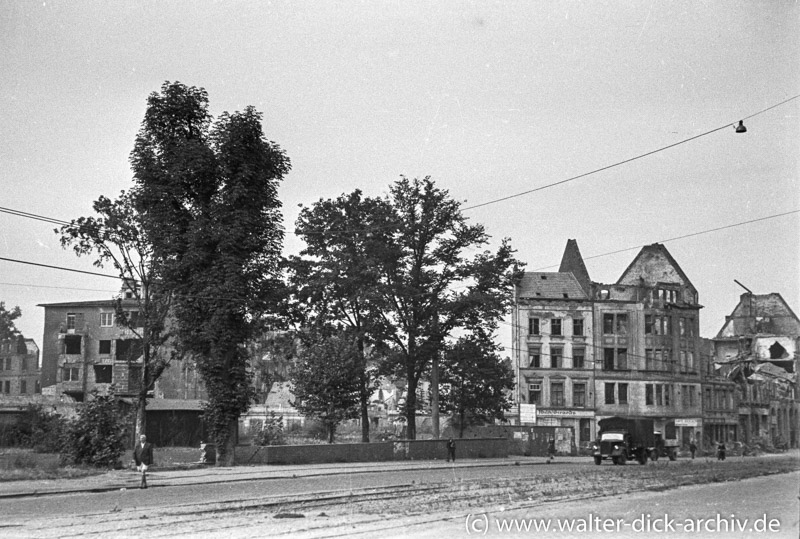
(143, 456)
(551, 449)
(692, 447)
(451, 450)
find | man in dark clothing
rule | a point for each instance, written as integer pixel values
(551, 448)
(451, 450)
(143, 456)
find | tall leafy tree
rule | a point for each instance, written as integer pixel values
(430, 288)
(116, 237)
(475, 382)
(336, 278)
(7, 316)
(207, 191)
(325, 379)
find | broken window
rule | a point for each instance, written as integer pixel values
(129, 349)
(104, 347)
(102, 374)
(72, 344)
(535, 357)
(776, 351)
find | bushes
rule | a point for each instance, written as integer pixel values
(272, 431)
(97, 437)
(35, 429)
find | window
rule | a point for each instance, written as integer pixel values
(586, 429)
(102, 374)
(682, 326)
(70, 320)
(106, 320)
(23, 387)
(533, 326)
(72, 344)
(535, 357)
(556, 357)
(555, 326)
(7, 387)
(615, 359)
(579, 395)
(648, 324)
(557, 394)
(105, 347)
(687, 396)
(37, 387)
(24, 364)
(659, 395)
(608, 359)
(577, 326)
(608, 324)
(134, 320)
(129, 349)
(623, 393)
(690, 360)
(648, 395)
(707, 399)
(8, 363)
(649, 359)
(609, 393)
(71, 374)
(535, 393)
(579, 358)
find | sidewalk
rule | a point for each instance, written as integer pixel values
(124, 479)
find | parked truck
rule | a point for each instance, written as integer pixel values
(622, 439)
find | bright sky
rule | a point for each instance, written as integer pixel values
(489, 98)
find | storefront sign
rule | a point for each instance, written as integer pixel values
(687, 422)
(564, 412)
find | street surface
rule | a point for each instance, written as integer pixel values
(419, 499)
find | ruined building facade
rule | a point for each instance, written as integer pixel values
(755, 363)
(630, 348)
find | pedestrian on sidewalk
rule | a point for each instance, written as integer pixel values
(451, 450)
(551, 449)
(692, 447)
(143, 456)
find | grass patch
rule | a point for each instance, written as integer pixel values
(25, 465)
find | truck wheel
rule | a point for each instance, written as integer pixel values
(622, 460)
(643, 457)
(654, 455)
(598, 460)
(615, 460)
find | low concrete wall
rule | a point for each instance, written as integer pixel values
(370, 452)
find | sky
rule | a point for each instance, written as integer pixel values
(490, 99)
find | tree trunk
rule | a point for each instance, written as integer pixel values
(411, 407)
(364, 394)
(461, 429)
(435, 396)
(226, 453)
(331, 432)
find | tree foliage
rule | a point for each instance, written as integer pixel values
(430, 288)
(207, 193)
(336, 279)
(474, 382)
(326, 379)
(97, 436)
(7, 316)
(117, 237)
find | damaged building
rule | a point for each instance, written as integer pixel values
(755, 359)
(586, 351)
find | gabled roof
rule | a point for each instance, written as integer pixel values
(654, 264)
(92, 303)
(550, 285)
(760, 314)
(572, 262)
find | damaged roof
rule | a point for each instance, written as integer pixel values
(550, 285)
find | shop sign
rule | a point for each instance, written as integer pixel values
(564, 412)
(687, 422)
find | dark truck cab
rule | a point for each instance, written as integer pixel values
(624, 439)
